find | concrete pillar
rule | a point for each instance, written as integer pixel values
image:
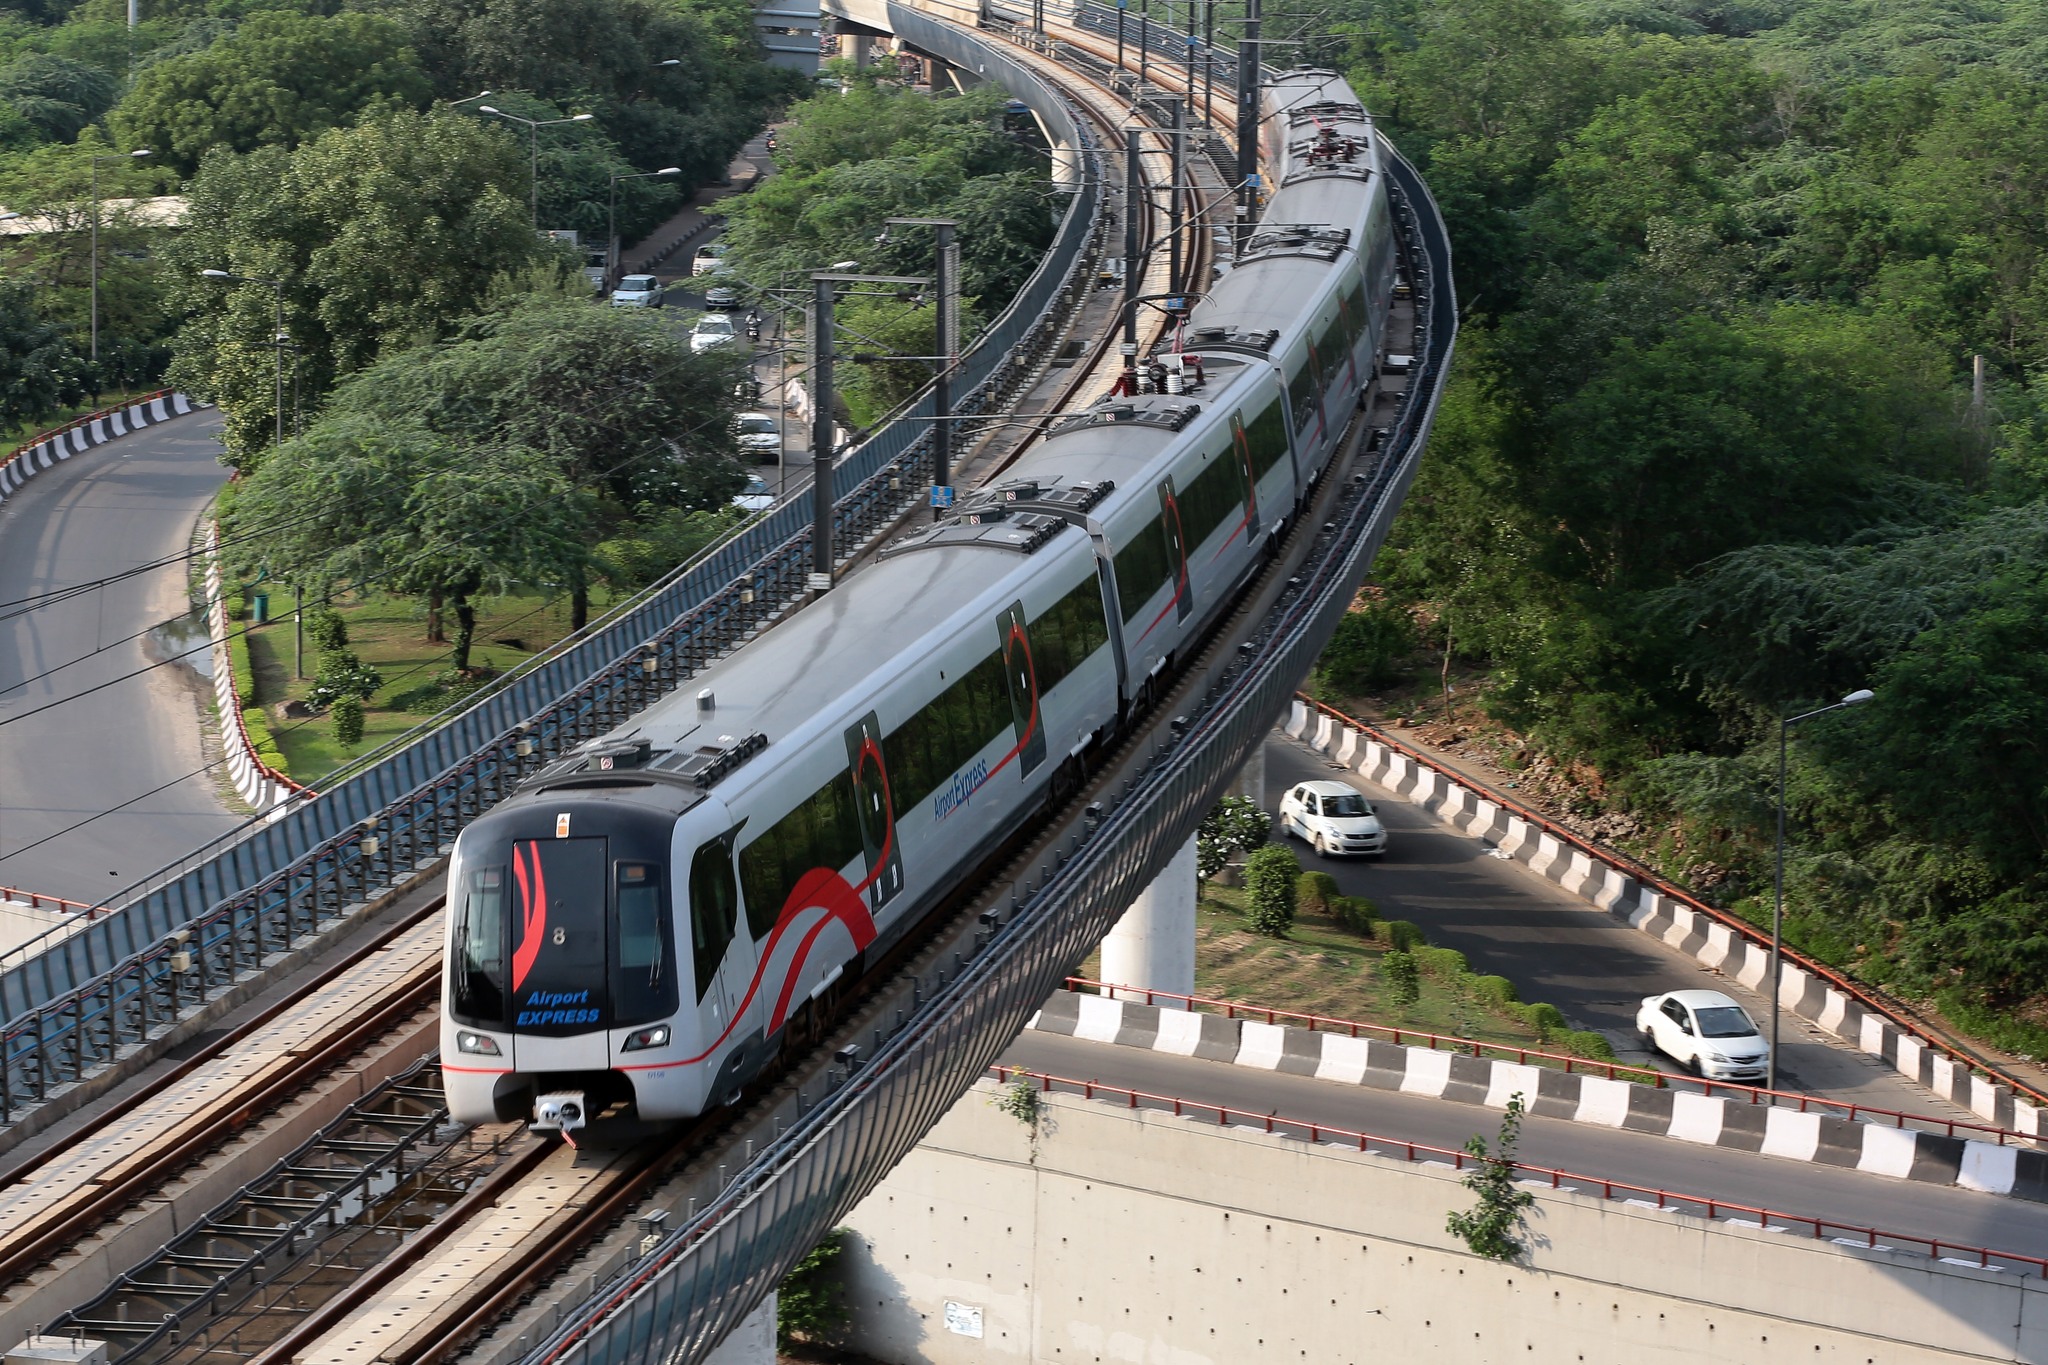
(752, 1342)
(1153, 945)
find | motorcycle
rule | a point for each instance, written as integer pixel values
(754, 326)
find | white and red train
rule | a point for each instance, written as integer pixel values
(648, 919)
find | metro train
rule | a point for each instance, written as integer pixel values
(647, 921)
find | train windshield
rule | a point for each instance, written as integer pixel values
(476, 977)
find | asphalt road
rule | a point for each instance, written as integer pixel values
(134, 744)
(1899, 1207)
(1511, 922)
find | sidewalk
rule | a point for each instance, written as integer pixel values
(659, 252)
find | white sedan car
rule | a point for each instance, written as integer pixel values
(1705, 1032)
(713, 329)
(1333, 818)
(757, 497)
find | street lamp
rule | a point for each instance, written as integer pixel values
(112, 156)
(611, 218)
(470, 99)
(1856, 698)
(276, 350)
(533, 127)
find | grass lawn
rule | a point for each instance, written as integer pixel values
(1325, 968)
(390, 635)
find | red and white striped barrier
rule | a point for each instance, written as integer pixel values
(53, 447)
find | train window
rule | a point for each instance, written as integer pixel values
(1069, 633)
(714, 910)
(926, 750)
(643, 980)
(478, 973)
(1356, 312)
(1143, 567)
(1266, 438)
(1301, 393)
(1212, 497)
(823, 832)
(1329, 349)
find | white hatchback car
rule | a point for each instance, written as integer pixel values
(638, 291)
(1706, 1032)
(713, 329)
(757, 496)
(1333, 818)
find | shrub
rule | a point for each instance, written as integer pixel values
(1404, 982)
(810, 1304)
(1585, 1043)
(1269, 878)
(1315, 893)
(342, 674)
(348, 721)
(1445, 964)
(1236, 824)
(1547, 1020)
(326, 630)
(1368, 649)
(1497, 991)
(1403, 936)
(1489, 1228)
(1356, 913)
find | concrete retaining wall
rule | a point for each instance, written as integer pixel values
(1581, 1096)
(33, 460)
(1112, 1235)
(1615, 890)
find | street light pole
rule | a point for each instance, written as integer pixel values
(95, 304)
(277, 336)
(533, 127)
(1131, 193)
(1785, 725)
(611, 221)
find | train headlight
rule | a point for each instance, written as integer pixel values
(646, 1038)
(479, 1044)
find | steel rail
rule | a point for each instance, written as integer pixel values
(1408, 1150)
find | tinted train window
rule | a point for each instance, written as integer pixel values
(561, 893)
(1142, 568)
(1212, 497)
(925, 751)
(1330, 349)
(643, 977)
(1302, 388)
(1069, 633)
(1266, 438)
(823, 832)
(714, 910)
(477, 974)
(1356, 311)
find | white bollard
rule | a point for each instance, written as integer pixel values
(1153, 945)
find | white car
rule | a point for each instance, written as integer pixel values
(709, 260)
(756, 497)
(1706, 1032)
(760, 435)
(638, 291)
(713, 329)
(1333, 818)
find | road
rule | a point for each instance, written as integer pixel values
(135, 744)
(1511, 922)
(1899, 1207)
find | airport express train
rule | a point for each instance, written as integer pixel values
(651, 917)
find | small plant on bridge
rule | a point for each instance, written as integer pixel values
(1489, 1227)
(1269, 879)
(1019, 1099)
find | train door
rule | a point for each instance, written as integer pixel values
(714, 920)
(560, 977)
(1176, 551)
(1022, 681)
(871, 803)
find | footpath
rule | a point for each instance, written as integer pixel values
(666, 250)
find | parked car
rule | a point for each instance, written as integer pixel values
(709, 260)
(760, 435)
(713, 329)
(1333, 818)
(757, 496)
(638, 291)
(1705, 1032)
(724, 297)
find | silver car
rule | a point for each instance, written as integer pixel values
(713, 329)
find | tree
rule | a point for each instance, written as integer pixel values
(56, 95)
(810, 1303)
(358, 503)
(40, 373)
(1269, 880)
(384, 235)
(1489, 1228)
(279, 79)
(1235, 824)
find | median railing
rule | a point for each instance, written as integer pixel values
(1570, 1182)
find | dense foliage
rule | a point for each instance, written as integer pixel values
(1712, 454)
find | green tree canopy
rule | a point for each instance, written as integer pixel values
(56, 95)
(277, 80)
(40, 372)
